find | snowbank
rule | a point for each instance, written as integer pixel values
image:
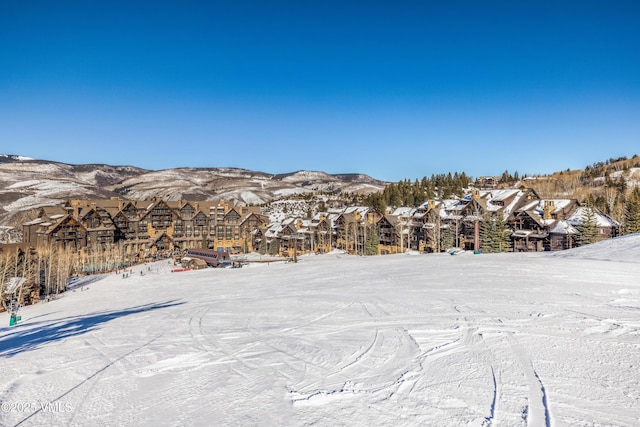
(497, 339)
(623, 248)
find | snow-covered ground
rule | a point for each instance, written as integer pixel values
(504, 339)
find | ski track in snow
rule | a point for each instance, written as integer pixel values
(487, 340)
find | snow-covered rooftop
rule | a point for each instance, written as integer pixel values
(602, 220)
(563, 227)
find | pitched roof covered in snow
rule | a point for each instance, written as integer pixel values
(563, 227)
(602, 220)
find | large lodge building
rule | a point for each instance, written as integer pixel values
(146, 228)
(158, 227)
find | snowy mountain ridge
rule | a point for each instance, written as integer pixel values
(27, 183)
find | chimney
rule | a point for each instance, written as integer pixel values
(548, 209)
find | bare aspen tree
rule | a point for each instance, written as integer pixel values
(4, 265)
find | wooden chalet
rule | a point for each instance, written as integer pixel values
(351, 227)
(321, 233)
(252, 230)
(425, 227)
(284, 237)
(562, 236)
(532, 225)
(388, 228)
(487, 182)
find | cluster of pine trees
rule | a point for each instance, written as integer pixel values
(495, 235)
(509, 178)
(605, 168)
(407, 193)
(632, 212)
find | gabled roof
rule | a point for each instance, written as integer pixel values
(48, 211)
(276, 229)
(500, 195)
(273, 230)
(403, 211)
(536, 217)
(452, 209)
(362, 210)
(34, 221)
(602, 220)
(503, 201)
(62, 221)
(262, 218)
(390, 219)
(92, 210)
(563, 227)
(233, 210)
(538, 205)
(160, 236)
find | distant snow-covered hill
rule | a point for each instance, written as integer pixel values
(27, 183)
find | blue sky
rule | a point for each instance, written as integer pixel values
(395, 90)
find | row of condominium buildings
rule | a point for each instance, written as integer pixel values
(158, 227)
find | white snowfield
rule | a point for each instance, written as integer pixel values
(428, 340)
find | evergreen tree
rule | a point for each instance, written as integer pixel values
(632, 213)
(376, 201)
(487, 235)
(621, 185)
(588, 227)
(394, 196)
(495, 235)
(373, 241)
(503, 234)
(263, 246)
(448, 237)
(273, 247)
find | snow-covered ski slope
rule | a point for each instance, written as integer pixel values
(438, 340)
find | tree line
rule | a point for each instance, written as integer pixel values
(407, 193)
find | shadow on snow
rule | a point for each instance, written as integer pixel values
(19, 341)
